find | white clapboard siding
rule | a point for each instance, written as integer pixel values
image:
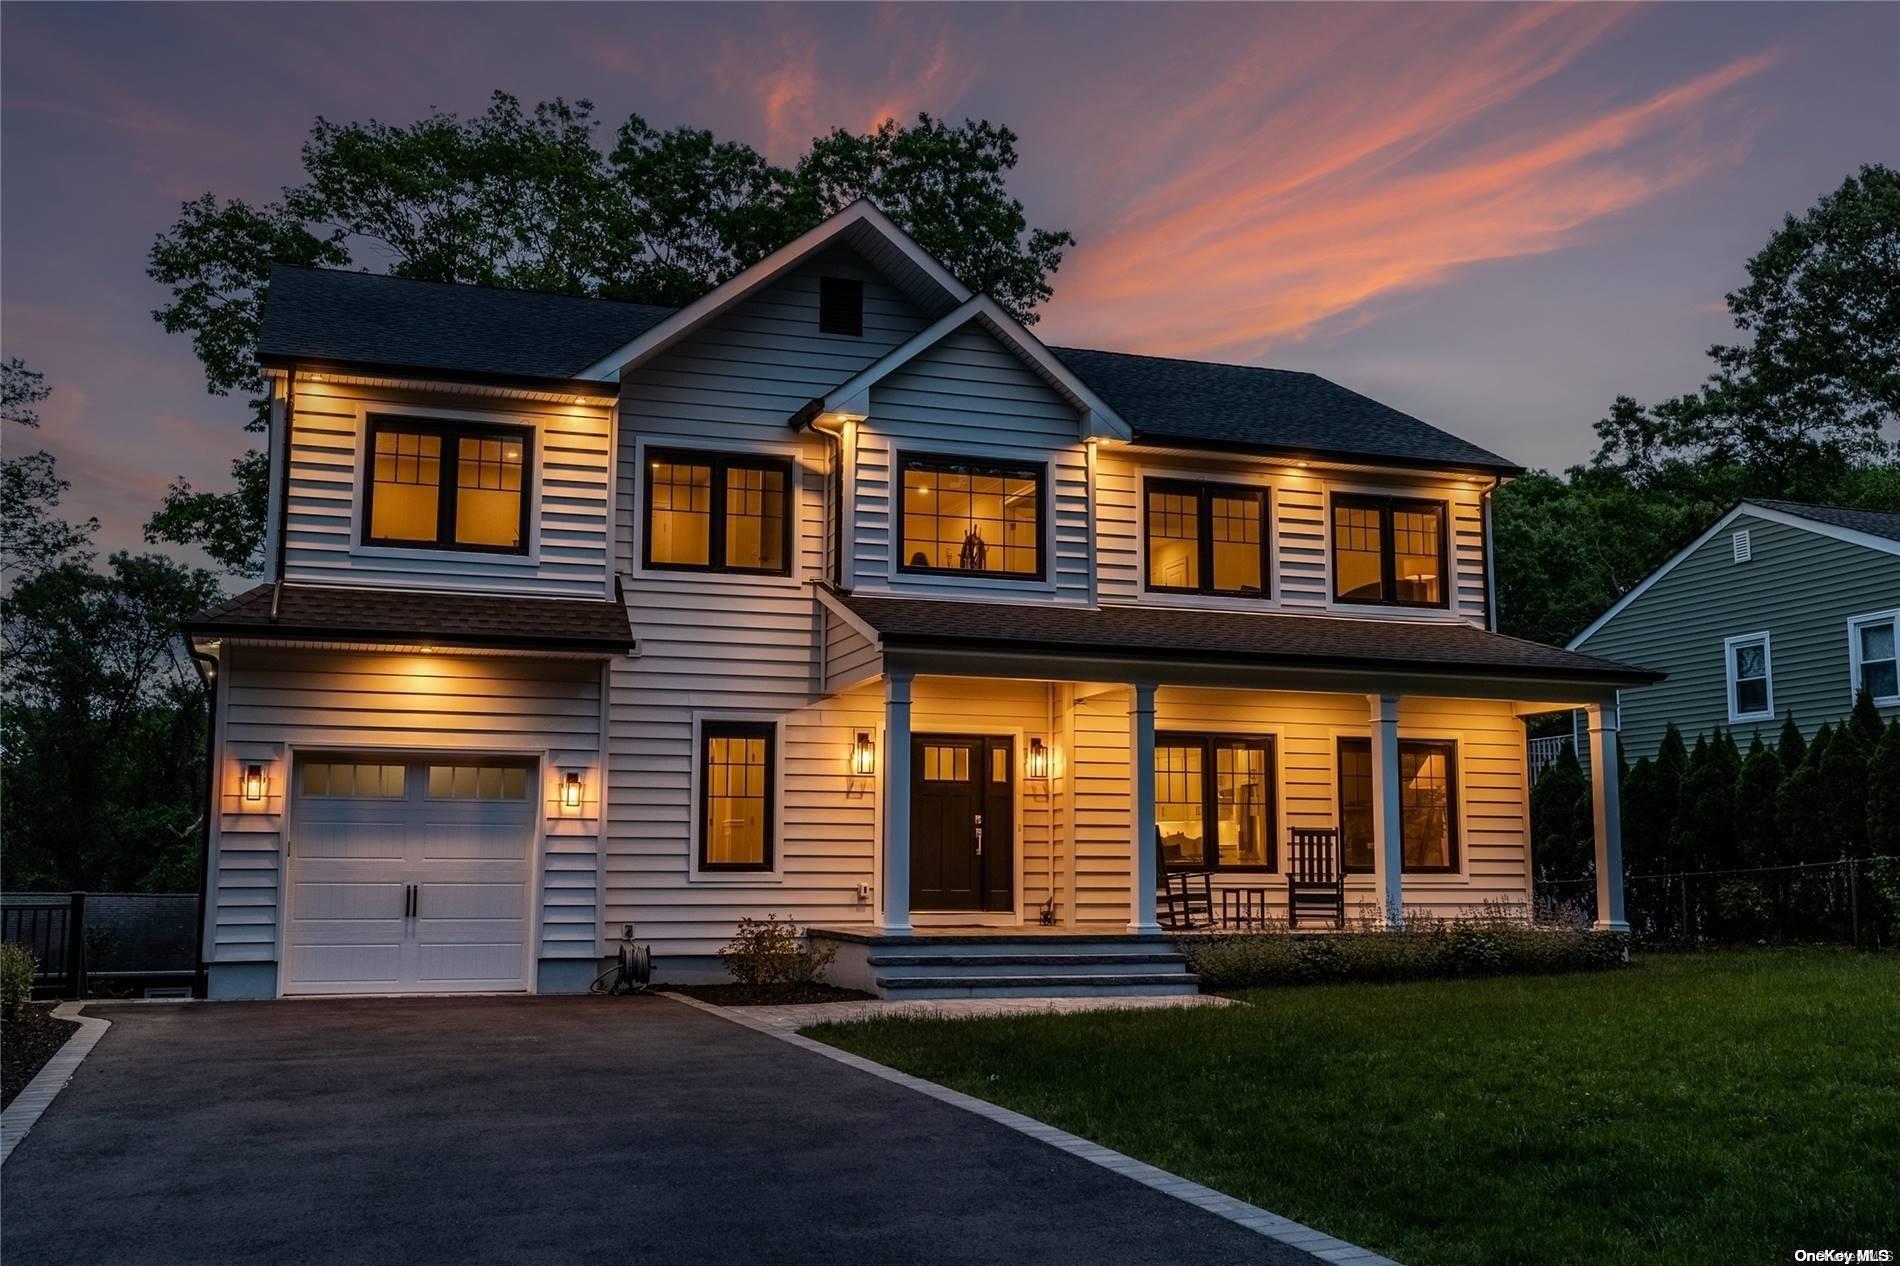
(969, 396)
(1299, 554)
(719, 645)
(570, 527)
(850, 657)
(273, 700)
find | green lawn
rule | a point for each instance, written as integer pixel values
(1722, 1108)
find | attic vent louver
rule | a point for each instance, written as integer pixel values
(841, 306)
(1743, 549)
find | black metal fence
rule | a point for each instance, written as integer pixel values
(104, 943)
(1850, 901)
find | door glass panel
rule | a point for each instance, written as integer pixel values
(352, 780)
(1179, 804)
(1236, 528)
(1243, 787)
(946, 763)
(478, 782)
(999, 766)
(1174, 547)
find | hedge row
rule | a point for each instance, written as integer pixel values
(1460, 948)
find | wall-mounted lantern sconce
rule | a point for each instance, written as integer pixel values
(571, 791)
(1038, 761)
(864, 755)
(254, 784)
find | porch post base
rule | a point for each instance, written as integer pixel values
(1618, 926)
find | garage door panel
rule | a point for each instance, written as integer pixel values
(442, 902)
(350, 965)
(485, 841)
(323, 901)
(476, 966)
(379, 840)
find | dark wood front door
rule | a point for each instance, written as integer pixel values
(962, 823)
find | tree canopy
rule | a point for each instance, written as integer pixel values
(531, 199)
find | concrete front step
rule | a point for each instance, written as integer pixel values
(1022, 964)
(1064, 986)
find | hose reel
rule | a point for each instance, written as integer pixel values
(632, 971)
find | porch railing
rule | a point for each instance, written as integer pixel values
(1545, 752)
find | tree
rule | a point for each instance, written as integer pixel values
(528, 199)
(1562, 843)
(1790, 748)
(32, 536)
(1883, 794)
(103, 724)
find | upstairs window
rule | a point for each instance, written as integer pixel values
(725, 512)
(970, 518)
(448, 485)
(1873, 655)
(841, 306)
(1206, 538)
(1389, 551)
(1751, 686)
(1428, 825)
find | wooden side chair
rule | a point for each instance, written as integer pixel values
(1186, 895)
(1315, 883)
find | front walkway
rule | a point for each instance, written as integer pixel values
(793, 1017)
(536, 1129)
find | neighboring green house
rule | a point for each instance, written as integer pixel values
(1781, 609)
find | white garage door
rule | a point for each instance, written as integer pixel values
(409, 877)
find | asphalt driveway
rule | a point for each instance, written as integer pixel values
(537, 1130)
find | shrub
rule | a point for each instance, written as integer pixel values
(767, 952)
(16, 979)
(1479, 944)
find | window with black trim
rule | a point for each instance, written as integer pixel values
(970, 518)
(437, 484)
(1390, 551)
(1214, 800)
(736, 766)
(728, 512)
(1428, 796)
(1206, 538)
(841, 306)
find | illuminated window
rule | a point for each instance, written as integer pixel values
(718, 512)
(1224, 780)
(1389, 551)
(351, 780)
(972, 518)
(735, 825)
(1207, 538)
(1428, 823)
(484, 507)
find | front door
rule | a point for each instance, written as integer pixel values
(962, 823)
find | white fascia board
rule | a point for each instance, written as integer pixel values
(1782, 517)
(735, 290)
(853, 396)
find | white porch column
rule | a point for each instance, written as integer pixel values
(1141, 754)
(1607, 811)
(895, 916)
(1388, 857)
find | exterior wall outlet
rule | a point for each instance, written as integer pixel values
(864, 892)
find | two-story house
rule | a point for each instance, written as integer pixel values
(837, 595)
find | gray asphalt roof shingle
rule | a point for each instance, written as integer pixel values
(1872, 522)
(1262, 638)
(448, 619)
(313, 314)
(364, 318)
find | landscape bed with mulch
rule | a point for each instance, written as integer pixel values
(26, 1044)
(767, 995)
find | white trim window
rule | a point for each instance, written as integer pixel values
(1751, 677)
(1873, 651)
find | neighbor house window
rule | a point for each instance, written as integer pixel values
(1214, 800)
(1871, 650)
(448, 485)
(718, 512)
(735, 812)
(971, 518)
(1206, 538)
(1751, 684)
(1428, 792)
(1389, 551)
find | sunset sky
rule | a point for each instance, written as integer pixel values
(1494, 217)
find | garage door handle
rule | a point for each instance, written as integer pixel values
(415, 899)
(408, 900)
